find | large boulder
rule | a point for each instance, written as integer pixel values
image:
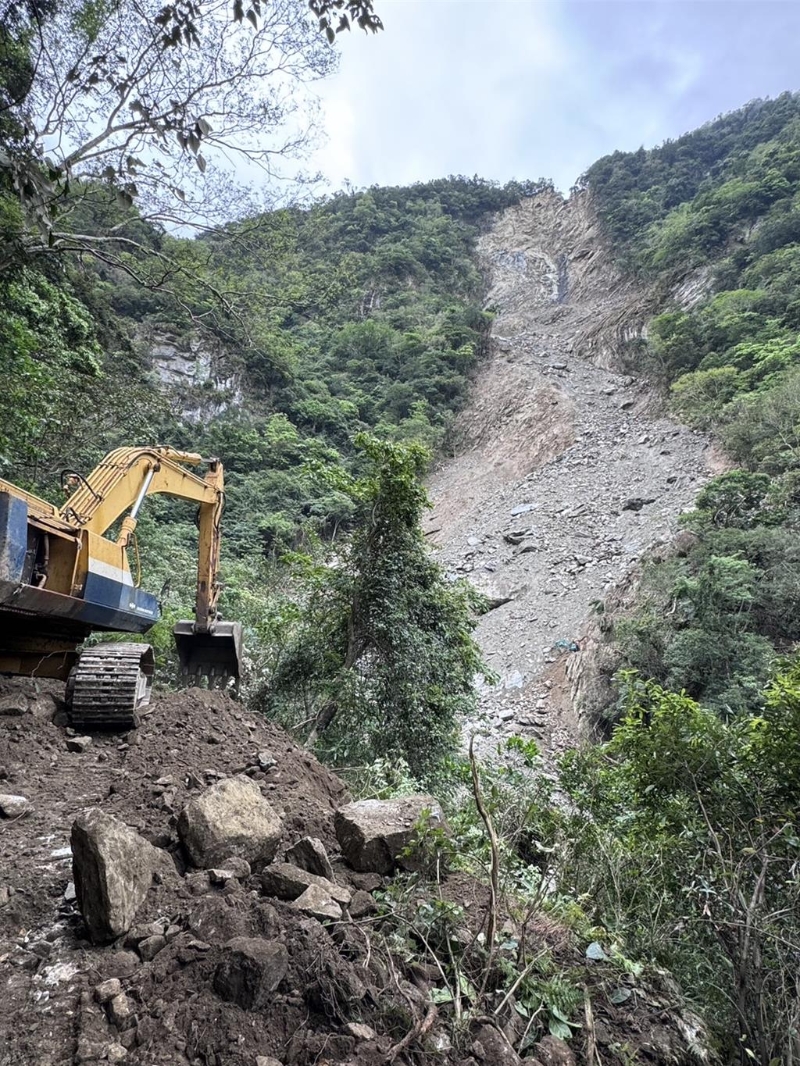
(250, 971)
(373, 833)
(287, 882)
(230, 818)
(113, 868)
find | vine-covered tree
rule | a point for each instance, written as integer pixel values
(381, 661)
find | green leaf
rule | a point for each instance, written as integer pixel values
(559, 1028)
(441, 995)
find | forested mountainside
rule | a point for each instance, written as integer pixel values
(714, 219)
(324, 353)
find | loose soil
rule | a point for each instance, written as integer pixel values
(339, 972)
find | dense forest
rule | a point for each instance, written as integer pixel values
(338, 338)
(692, 803)
(721, 206)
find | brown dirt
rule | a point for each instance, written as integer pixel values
(339, 973)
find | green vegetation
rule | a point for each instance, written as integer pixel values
(721, 204)
(685, 839)
(379, 661)
(684, 835)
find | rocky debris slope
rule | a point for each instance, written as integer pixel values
(568, 473)
(119, 943)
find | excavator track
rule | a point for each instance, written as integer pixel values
(109, 686)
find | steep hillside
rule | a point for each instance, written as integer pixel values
(568, 472)
(712, 223)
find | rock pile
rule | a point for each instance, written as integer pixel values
(568, 473)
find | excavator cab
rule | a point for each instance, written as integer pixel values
(215, 653)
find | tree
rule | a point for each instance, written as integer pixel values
(688, 831)
(157, 103)
(382, 661)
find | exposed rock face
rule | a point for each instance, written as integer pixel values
(557, 436)
(231, 818)
(373, 833)
(250, 971)
(197, 371)
(113, 869)
(287, 882)
(310, 854)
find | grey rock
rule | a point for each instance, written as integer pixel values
(267, 1060)
(116, 1053)
(362, 904)
(120, 1011)
(636, 503)
(515, 536)
(250, 971)
(286, 881)
(316, 902)
(14, 806)
(219, 876)
(522, 508)
(239, 868)
(150, 947)
(230, 818)
(78, 744)
(106, 990)
(113, 868)
(13, 706)
(310, 854)
(360, 1031)
(373, 833)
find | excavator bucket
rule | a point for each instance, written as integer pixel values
(215, 654)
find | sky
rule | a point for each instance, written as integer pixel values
(542, 88)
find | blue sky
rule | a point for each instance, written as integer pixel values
(542, 88)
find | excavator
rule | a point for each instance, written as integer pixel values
(65, 574)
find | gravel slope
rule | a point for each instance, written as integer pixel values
(568, 472)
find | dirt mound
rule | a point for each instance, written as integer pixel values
(189, 740)
(215, 970)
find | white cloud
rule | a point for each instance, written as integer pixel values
(518, 88)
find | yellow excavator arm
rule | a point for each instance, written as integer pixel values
(63, 577)
(117, 487)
